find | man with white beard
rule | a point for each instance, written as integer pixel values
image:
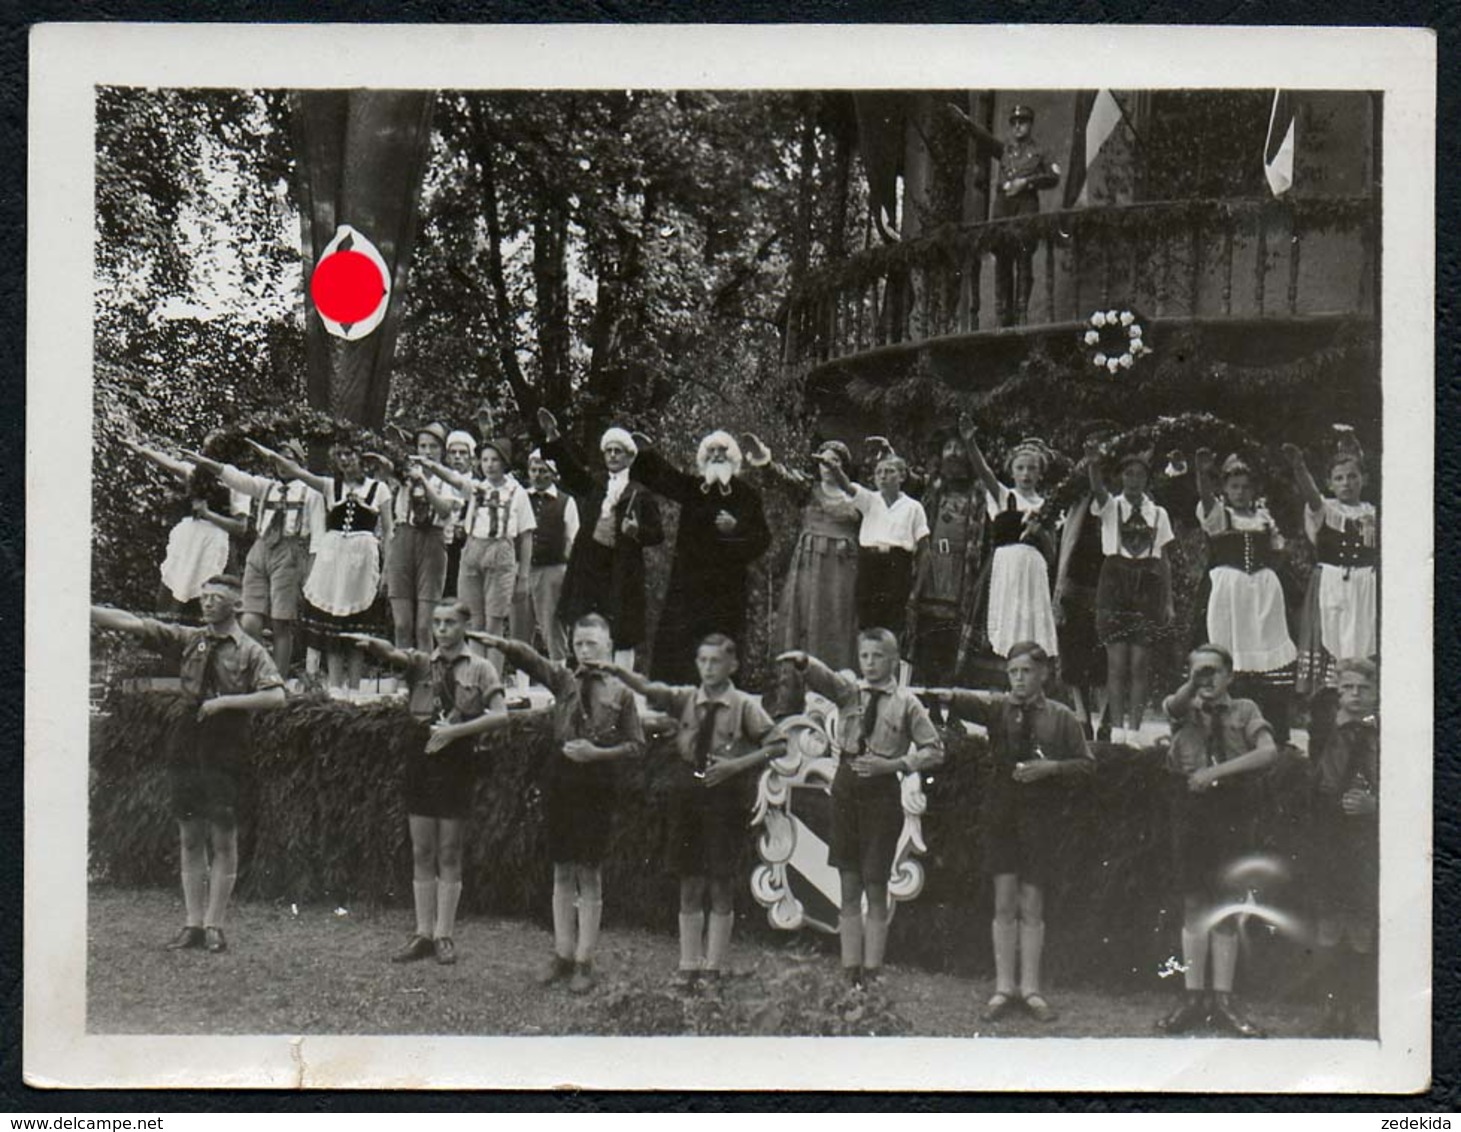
(722, 531)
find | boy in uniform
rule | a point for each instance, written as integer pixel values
(877, 722)
(1218, 746)
(1344, 845)
(462, 693)
(723, 733)
(230, 674)
(595, 724)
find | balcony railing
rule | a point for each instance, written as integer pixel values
(1196, 259)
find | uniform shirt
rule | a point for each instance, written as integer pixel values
(586, 705)
(1028, 160)
(279, 509)
(458, 688)
(1055, 733)
(901, 525)
(901, 719)
(240, 664)
(501, 512)
(1203, 738)
(1131, 533)
(740, 724)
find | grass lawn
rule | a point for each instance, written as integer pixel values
(319, 971)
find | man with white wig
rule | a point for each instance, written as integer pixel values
(722, 531)
(617, 520)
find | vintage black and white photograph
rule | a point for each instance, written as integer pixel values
(845, 559)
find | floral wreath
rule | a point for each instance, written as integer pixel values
(1112, 339)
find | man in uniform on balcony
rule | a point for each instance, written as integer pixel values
(1023, 172)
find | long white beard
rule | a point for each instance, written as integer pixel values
(718, 473)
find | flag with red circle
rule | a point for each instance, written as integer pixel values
(351, 285)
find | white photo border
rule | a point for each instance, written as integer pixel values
(69, 61)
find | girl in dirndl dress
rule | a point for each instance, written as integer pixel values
(1245, 604)
(1341, 614)
(1134, 592)
(344, 581)
(198, 545)
(1017, 605)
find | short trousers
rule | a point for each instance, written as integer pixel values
(439, 785)
(709, 828)
(1210, 831)
(1131, 601)
(578, 808)
(488, 575)
(273, 578)
(867, 820)
(1019, 826)
(416, 564)
(206, 768)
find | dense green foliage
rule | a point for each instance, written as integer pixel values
(322, 821)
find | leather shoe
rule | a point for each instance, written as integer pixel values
(556, 970)
(417, 947)
(186, 940)
(214, 941)
(446, 951)
(1190, 1014)
(1041, 1010)
(1229, 1016)
(1000, 1005)
(583, 979)
(685, 979)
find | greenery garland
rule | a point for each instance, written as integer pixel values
(950, 244)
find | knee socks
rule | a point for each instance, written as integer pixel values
(448, 893)
(425, 893)
(874, 941)
(1224, 960)
(692, 931)
(718, 937)
(1005, 935)
(195, 893)
(589, 913)
(1194, 956)
(1032, 944)
(220, 891)
(849, 934)
(564, 920)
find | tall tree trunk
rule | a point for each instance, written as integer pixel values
(550, 278)
(361, 158)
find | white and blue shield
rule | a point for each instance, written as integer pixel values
(794, 882)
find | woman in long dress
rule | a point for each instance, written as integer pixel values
(344, 581)
(818, 610)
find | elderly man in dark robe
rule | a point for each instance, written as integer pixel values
(618, 519)
(722, 531)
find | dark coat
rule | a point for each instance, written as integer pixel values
(603, 579)
(707, 590)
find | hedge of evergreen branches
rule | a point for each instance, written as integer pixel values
(322, 822)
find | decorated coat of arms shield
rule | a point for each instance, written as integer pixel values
(793, 813)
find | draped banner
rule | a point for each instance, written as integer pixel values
(361, 158)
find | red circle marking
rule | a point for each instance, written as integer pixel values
(347, 287)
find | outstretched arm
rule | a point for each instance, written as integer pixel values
(982, 471)
(1308, 489)
(179, 468)
(654, 472)
(450, 475)
(1207, 489)
(118, 620)
(521, 654)
(291, 469)
(1093, 470)
(377, 648)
